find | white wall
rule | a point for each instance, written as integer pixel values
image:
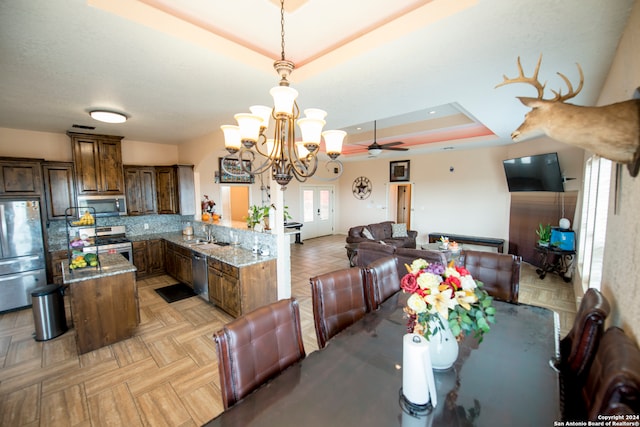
(621, 271)
(37, 145)
(57, 147)
(472, 199)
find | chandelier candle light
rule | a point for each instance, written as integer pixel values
(283, 155)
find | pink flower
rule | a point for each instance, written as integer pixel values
(409, 283)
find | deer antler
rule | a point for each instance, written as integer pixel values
(559, 96)
(533, 80)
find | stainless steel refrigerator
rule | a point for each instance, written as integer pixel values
(22, 257)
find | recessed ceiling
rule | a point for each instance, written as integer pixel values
(180, 69)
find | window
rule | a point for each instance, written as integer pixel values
(593, 225)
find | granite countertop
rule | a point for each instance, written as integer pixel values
(230, 254)
(110, 265)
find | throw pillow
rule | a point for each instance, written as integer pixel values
(399, 230)
(366, 233)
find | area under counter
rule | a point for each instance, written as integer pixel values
(104, 301)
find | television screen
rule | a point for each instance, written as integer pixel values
(540, 172)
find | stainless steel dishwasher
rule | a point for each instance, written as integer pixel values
(200, 277)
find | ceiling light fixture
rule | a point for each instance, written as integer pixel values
(108, 116)
(282, 155)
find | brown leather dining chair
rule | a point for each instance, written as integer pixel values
(382, 280)
(500, 273)
(338, 301)
(257, 347)
(579, 346)
(612, 386)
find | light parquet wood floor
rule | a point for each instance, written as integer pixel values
(167, 374)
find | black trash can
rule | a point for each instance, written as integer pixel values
(48, 312)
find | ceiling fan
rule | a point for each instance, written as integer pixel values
(375, 148)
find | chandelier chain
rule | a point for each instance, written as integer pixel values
(285, 157)
(282, 28)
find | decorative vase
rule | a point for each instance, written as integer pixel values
(443, 347)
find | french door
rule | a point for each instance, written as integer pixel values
(317, 211)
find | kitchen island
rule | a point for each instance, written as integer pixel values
(103, 301)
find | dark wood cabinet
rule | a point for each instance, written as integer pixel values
(178, 263)
(98, 163)
(104, 309)
(155, 256)
(167, 190)
(140, 260)
(176, 190)
(239, 290)
(140, 189)
(55, 266)
(59, 188)
(148, 257)
(170, 259)
(20, 177)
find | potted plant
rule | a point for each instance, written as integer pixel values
(544, 234)
(256, 215)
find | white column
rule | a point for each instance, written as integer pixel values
(283, 266)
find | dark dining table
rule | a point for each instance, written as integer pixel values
(356, 379)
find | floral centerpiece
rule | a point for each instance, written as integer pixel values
(449, 294)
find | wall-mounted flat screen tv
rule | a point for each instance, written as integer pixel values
(540, 172)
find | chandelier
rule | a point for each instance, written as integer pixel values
(282, 155)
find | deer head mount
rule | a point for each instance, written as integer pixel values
(610, 131)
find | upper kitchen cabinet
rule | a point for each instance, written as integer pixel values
(140, 189)
(59, 188)
(20, 177)
(98, 163)
(176, 189)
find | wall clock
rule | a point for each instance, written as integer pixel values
(361, 187)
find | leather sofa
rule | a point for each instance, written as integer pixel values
(369, 252)
(382, 232)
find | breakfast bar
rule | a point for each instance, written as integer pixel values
(103, 301)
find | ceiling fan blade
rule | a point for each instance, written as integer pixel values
(391, 144)
(395, 148)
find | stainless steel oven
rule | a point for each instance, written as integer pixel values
(109, 240)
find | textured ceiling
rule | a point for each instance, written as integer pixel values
(180, 69)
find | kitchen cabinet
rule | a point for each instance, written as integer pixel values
(148, 257)
(55, 266)
(176, 190)
(239, 290)
(59, 188)
(98, 164)
(20, 177)
(178, 263)
(140, 189)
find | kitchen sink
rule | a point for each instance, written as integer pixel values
(207, 246)
(199, 242)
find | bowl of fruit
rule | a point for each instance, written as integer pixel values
(83, 260)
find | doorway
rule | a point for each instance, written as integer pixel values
(399, 202)
(235, 201)
(317, 210)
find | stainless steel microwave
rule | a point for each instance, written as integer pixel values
(104, 205)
